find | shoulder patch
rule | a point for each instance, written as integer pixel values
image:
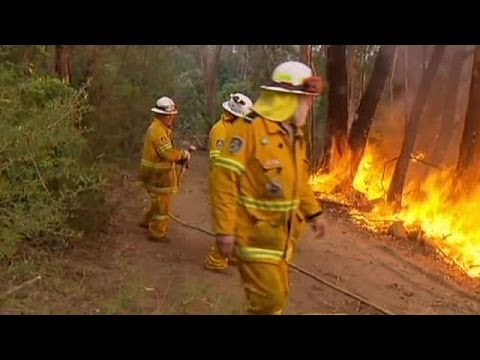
(219, 144)
(274, 189)
(163, 139)
(236, 144)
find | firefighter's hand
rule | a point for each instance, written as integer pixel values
(185, 159)
(185, 155)
(226, 244)
(318, 227)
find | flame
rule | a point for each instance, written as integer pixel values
(373, 175)
(372, 178)
(449, 223)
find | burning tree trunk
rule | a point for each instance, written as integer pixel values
(63, 67)
(468, 165)
(306, 56)
(398, 179)
(449, 108)
(210, 59)
(336, 129)
(368, 104)
(352, 82)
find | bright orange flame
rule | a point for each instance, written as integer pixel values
(373, 175)
(372, 178)
(451, 225)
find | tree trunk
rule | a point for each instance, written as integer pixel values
(468, 165)
(91, 63)
(365, 113)
(306, 54)
(401, 167)
(246, 63)
(336, 129)
(210, 58)
(63, 67)
(352, 82)
(145, 63)
(449, 109)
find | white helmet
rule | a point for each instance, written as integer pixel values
(165, 105)
(295, 77)
(238, 105)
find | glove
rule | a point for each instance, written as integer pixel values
(185, 155)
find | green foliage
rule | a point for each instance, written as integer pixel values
(231, 87)
(125, 83)
(50, 132)
(45, 181)
(190, 95)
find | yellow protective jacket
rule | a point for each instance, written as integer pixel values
(218, 135)
(260, 190)
(157, 168)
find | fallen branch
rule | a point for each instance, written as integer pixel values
(21, 286)
(414, 159)
(336, 203)
(354, 217)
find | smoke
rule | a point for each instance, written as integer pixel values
(388, 128)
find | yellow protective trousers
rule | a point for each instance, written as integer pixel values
(215, 260)
(266, 287)
(157, 218)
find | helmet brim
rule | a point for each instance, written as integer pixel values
(227, 108)
(284, 90)
(158, 111)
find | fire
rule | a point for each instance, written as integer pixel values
(373, 175)
(449, 223)
(372, 178)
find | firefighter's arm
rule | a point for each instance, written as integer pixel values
(213, 138)
(164, 147)
(228, 169)
(309, 206)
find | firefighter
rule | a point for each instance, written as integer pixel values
(157, 169)
(261, 198)
(237, 106)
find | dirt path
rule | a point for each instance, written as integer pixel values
(352, 258)
(122, 272)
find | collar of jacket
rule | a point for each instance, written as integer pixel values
(227, 118)
(160, 122)
(274, 127)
